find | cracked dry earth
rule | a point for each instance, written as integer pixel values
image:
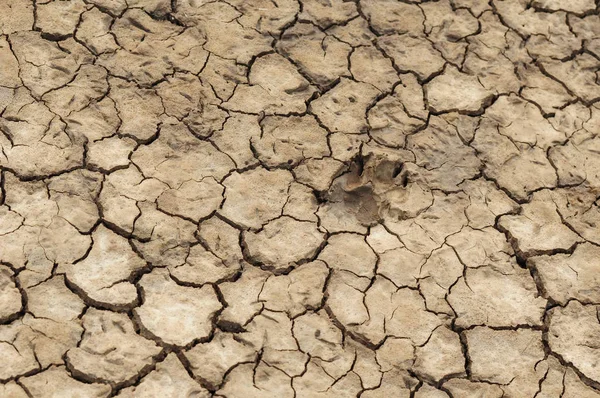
(300, 198)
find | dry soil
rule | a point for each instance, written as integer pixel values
(300, 198)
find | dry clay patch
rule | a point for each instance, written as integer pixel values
(300, 198)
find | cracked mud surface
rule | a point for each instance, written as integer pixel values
(300, 198)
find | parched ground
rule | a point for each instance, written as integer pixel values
(300, 198)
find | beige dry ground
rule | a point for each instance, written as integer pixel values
(300, 198)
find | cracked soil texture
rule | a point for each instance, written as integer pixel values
(300, 198)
